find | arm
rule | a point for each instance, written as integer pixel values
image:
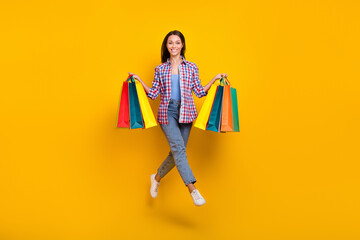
(200, 90)
(207, 86)
(155, 90)
(218, 76)
(146, 87)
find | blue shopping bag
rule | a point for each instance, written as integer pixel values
(215, 114)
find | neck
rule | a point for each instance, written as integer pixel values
(175, 59)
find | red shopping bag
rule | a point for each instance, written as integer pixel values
(123, 116)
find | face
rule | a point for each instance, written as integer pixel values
(174, 45)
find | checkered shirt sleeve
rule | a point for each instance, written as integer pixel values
(196, 84)
(155, 89)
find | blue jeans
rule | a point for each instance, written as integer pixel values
(177, 135)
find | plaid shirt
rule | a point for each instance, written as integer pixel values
(189, 81)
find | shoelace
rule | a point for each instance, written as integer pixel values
(196, 195)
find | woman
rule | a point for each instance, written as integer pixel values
(175, 79)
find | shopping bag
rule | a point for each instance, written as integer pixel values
(226, 112)
(215, 114)
(147, 112)
(123, 115)
(203, 117)
(136, 120)
(236, 127)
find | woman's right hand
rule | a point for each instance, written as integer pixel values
(135, 76)
(146, 87)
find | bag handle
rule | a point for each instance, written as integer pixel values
(221, 81)
(130, 79)
(130, 76)
(225, 81)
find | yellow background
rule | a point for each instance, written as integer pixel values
(291, 173)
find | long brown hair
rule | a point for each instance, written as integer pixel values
(165, 52)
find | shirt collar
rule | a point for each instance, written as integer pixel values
(183, 60)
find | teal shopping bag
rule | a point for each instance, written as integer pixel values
(215, 114)
(136, 119)
(235, 112)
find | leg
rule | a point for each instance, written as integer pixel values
(185, 132)
(169, 162)
(165, 167)
(195, 194)
(178, 149)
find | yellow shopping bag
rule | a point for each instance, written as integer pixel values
(147, 112)
(203, 117)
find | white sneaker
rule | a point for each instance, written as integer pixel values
(154, 186)
(197, 198)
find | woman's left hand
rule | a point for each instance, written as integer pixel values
(220, 75)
